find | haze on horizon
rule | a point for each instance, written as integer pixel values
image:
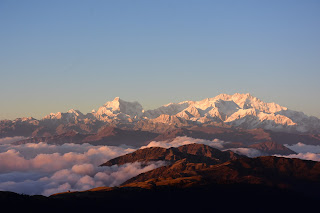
(60, 55)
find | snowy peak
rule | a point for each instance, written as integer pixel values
(113, 105)
(119, 109)
(247, 101)
(74, 112)
(70, 116)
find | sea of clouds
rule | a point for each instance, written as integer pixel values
(47, 169)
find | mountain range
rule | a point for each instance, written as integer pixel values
(237, 110)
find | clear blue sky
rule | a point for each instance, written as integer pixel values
(57, 55)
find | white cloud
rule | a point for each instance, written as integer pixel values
(304, 156)
(246, 151)
(24, 158)
(31, 150)
(179, 141)
(304, 148)
(83, 169)
(9, 140)
(216, 143)
(305, 152)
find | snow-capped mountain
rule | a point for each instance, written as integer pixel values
(238, 110)
(70, 116)
(119, 110)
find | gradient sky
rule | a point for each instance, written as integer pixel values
(58, 55)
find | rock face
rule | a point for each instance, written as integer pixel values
(195, 153)
(237, 110)
(272, 148)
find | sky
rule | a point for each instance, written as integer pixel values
(58, 55)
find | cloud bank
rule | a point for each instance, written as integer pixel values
(9, 140)
(304, 148)
(303, 156)
(250, 152)
(216, 143)
(180, 141)
(46, 169)
(305, 152)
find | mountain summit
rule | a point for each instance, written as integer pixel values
(120, 110)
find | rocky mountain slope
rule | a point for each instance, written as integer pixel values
(268, 170)
(272, 148)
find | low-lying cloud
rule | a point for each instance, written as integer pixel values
(46, 169)
(304, 148)
(216, 143)
(180, 141)
(9, 140)
(250, 152)
(80, 177)
(43, 157)
(305, 152)
(303, 156)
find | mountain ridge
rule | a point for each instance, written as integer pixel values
(237, 110)
(191, 153)
(243, 110)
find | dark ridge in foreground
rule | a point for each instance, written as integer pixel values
(213, 198)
